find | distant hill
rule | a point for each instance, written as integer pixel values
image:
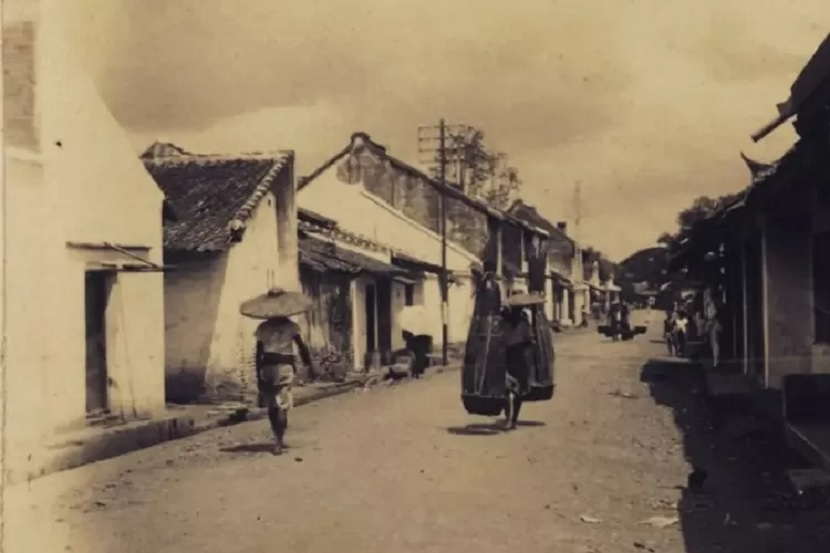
(644, 269)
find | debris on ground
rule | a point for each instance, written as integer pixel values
(660, 522)
(626, 395)
(589, 520)
(657, 504)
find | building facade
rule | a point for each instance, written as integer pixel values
(83, 295)
(234, 237)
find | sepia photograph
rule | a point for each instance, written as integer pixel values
(415, 276)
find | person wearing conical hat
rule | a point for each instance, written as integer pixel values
(276, 368)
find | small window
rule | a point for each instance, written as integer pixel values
(821, 287)
(409, 293)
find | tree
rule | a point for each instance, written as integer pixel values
(607, 269)
(701, 208)
(478, 171)
(503, 188)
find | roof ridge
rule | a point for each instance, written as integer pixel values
(260, 190)
(206, 160)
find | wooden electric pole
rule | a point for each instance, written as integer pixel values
(425, 147)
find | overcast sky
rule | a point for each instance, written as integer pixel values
(647, 103)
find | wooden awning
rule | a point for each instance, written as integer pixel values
(137, 264)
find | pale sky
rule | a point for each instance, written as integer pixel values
(647, 103)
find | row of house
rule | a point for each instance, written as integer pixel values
(769, 250)
(128, 271)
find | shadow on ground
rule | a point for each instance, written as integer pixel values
(264, 447)
(745, 503)
(489, 429)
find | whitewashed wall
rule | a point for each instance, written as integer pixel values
(371, 217)
(82, 183)
(207, 338)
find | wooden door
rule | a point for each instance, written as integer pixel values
(371, 319)
(97, 288)
(384, 318)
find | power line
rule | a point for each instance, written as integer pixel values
(426, 145)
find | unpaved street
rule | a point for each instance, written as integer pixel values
(400, 469)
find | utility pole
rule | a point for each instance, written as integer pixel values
(442, 175)
(425, 147)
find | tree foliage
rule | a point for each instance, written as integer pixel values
(645, 266)
(479, 171)
(607, 269)
(701, 208)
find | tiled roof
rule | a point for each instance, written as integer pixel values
(361, 139)
(315, 218)
(409, 261)
(209, 193)
(530, 215)
(326, 256)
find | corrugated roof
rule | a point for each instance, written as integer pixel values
(207, 193)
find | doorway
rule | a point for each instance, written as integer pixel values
(384, 319)
(755, 308)
(371, 319)
(97, 286)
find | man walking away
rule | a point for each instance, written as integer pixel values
(276, 368)
(519, 337)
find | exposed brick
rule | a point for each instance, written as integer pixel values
(419, 200)
(19, 85)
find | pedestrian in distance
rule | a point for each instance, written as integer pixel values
(668, 331)
(681, 326)
(518, 340)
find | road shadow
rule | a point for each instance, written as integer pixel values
(263, 447)
(478, 429)
(490, 429)
(530, 424)
(745, 503)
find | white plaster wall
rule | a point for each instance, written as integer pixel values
(371, 217)
(85, 185)
(398, 304)
(191, 302)
(103, 187)
(461, 306)
(205, 332)
(135, 348)
(549, 299)
(432, 306)
(38, 310)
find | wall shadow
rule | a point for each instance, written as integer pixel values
(192, 296)
(745, 503)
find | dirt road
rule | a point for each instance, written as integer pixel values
(400, 469)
